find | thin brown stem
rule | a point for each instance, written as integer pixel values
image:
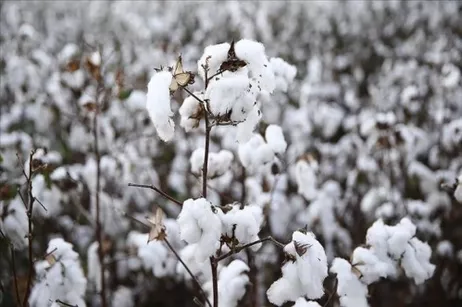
(206, 157)
(176, 255)
(15, 276)
(146, 186)
(253, 273)
(213, 265)
(242, 247)
(30, 207)
(333, 293)
(98, 226)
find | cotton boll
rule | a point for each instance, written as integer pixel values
(246, 128)
(63, 280)
(275, 139)
(200, 269)
(218, 163)
(232, 282)
(400, 234)
(214, 56)
(199, 223)
(416, 261)
(15, 224)
(197, 160)
(284, 73)
(303, 276)
(370, 266)
(190, 112)
(305, 174)
(158, 104)
(244, 223)
(259, 67)
(123, 297)
(246, 151)
(231, 95)
(352, 292)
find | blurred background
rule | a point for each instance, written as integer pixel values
(377, 102)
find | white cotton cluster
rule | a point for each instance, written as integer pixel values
(190, 112)
(244, 223)
(391, 247)
(284, 73)
(61, 280)
(155, 255)
(158, 104)
(275, 139)
(201, 270)
(258, 152)
(94, 266)
(232, 281)
(123, 297)
(218, 163)
(233, 95)
(458, 190)
(303, 276)
(50, 198)
(15, 224)
(352, 292)
(302, 302)
(305, 175)
(199, 223)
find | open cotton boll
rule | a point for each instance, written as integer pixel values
(201, 270)
(232, 282)
(231, 94)
(370, 266)
(275, 139)
(15, 224)
(50, 198)
(302, 302)
(199, 223)
(63, 280)
(416, 261)
(154, 255)
(245, 223)
(246, 128)
(305, 175)
(218, 163)
(284, 73)
(123, 297)
(253, 53)
(246, 151)
(190, 112)
(158, 104)
(303, 276)
(352, 292)
(400, 234)
(214, 55)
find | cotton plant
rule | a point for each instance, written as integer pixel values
(388, 250)
(303, 273)
(59, 277)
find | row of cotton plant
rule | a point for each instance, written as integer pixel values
(363, 131)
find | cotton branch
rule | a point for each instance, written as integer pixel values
(98, 226)
(145, 186)
(242, 247)
(176, 255)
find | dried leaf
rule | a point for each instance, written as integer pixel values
(51, 259)
(157, 227)
(232, 63)
(181, 78)
(301, 248)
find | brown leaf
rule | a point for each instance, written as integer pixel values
(301, 248)
(157, 228)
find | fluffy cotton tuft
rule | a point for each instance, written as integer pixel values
(275, 139)
(284, 73)
(302, 302)
(218, 163)
(246, 223)
(63, 279)
(255, 153)
(190, 112)
(158, 104)
(94, 266)
(232, 281)
(352, 292)
(303, 276)
(199, 223)
(305, 175)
